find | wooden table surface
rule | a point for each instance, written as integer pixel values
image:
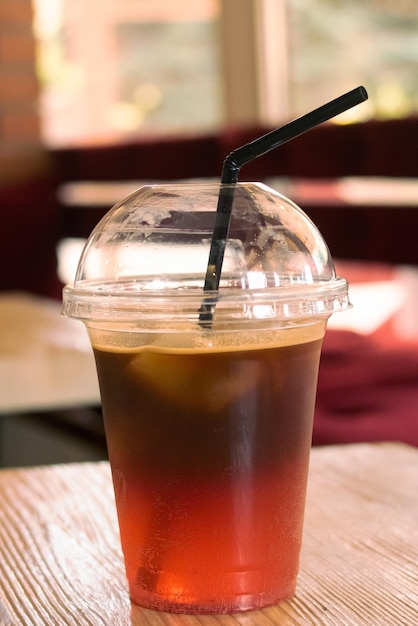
(46, 360)
(60, 560)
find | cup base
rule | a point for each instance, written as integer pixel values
(215, 606)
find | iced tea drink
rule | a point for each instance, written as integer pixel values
(207, 388)
(209, 447)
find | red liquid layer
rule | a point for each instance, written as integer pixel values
(209, 454)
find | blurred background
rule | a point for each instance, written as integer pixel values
(100, 95)
(119, 69)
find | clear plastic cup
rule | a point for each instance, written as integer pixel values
(208, 425)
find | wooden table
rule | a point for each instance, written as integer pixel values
(60, 561)
(46, 361)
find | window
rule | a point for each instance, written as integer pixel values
(335, 45)
(113, 69)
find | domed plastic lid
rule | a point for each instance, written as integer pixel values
(145, 262)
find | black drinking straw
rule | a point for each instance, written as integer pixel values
(230, 172)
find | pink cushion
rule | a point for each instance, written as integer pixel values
(366, 391)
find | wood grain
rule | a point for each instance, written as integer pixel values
(61, 564)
